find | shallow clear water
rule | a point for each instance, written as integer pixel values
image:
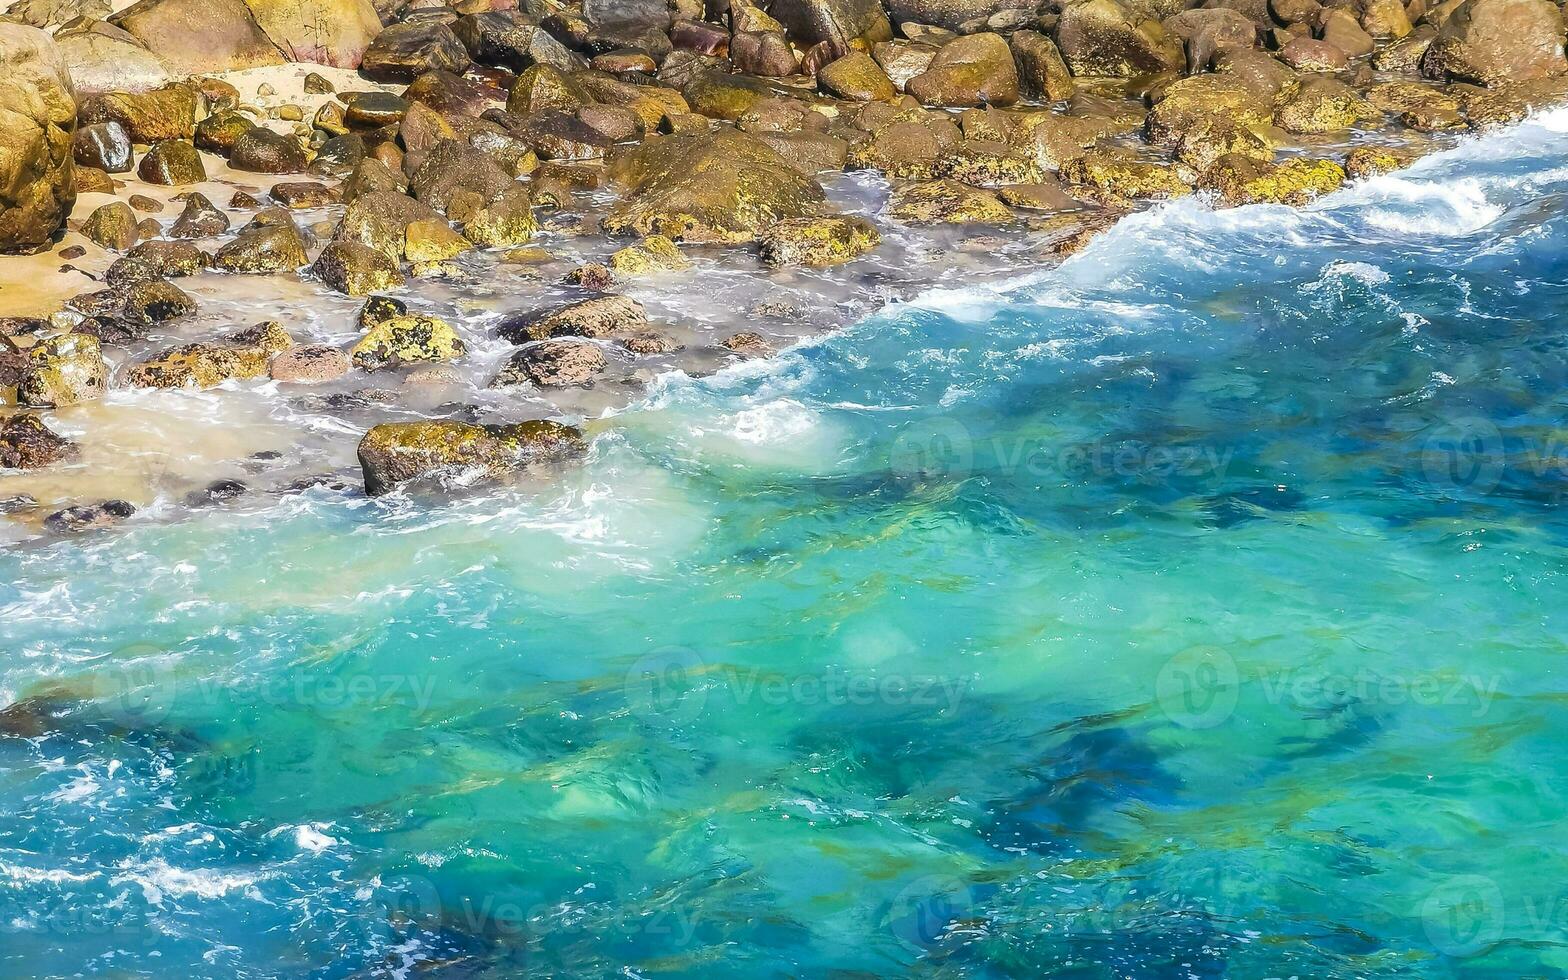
(1193, 609)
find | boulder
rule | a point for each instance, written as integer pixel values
(971, 71)
(261, 151)
(309, 364)
(103, 145)
(26, 443)
(195, 37)
(602, 317)
(169, 259)
(764, 53)
(1242, 180)
(947, 202)
(817, 241)
(111, 226)
(37, 121)
(1323, 105)
(1117, 174)
(167, 113)
(952, 14)
(503, 222)
(220, 131)
(403, 52)
(356, 269)
(1106, 38)
(902, 60)
(509, 39)
(323, 32)
(457, 179)
(1042, 73)
(838, 22)
(63, 370)
(172, 162)
(1384, 19)
(857, 77)
(723, 186)
(1492, 42)
(1341, 29)
(406, 339)
(200, 219)
(104, 58)
(1310, 54)
(553, 364)
(241, 356)
(381, 220)
(266, 246)
(652, 255)
(54, 13)
(394, 454)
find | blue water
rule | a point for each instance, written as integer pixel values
(1193, 609)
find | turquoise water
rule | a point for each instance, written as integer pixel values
(1193, 609)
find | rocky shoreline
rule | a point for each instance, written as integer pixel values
(269, 246)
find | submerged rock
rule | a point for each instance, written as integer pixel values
(207, 365)
(604, 316)
(652, 255)
(63, 370)
(89, 517)
(356, 269)
(397, 453)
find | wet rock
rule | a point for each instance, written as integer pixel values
(37, 120)
(748, 344)
(155, 301)
(261, 151)
(1341, 29)
(406, 339)
(718, 95)
(1384, 19)
(971, 71)
(722, 187)
(172, 162)
(1189, 103)
(398, 453)
(1037, 197)
(1407, 54)
(372, 110)
(1106, 38)
(169, 259)
(457, 179)
(986, 163)
(451, 95)
(167, 113)
(338, 156)
(324, 32)
(903, 60)
(952, 14)
(112, 226)
(103, 145)
(1042, 73)
(148, 205)
(508, 39)
(381, 219)
(504, 222)
(356, 269)
(599, 318)
(309, 364)
(1242, 180)
(764, 53)
(196, 37)
(817, 241)
(544, 88)
(220, 131)
(263, 247)
(947, 201)
(200, 219)
(1310, 54)
(553, 364)
(380, 309)
(1495, 41)
(652, 255)
(648, 342)
(857, 77)
(1323, 105)
(429, 243)
(80, 518)
(592, 276)
(1117, 173)
(615, 124)
(403, 52)
(303, 195)
(216, 492)
(242, 356)
(64, 370)
(26, 443)
(1369, 161)
(838, 22)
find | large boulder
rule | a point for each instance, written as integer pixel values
(104, 58)
(63, 370)
(839, 22)
(199, 36)
(396, 453)
(37, 122)
(1496, 41)
(971, 71)
(326, 32)
(724, 186)
(403, 52)
(1106, 38)
(242, 355)
(512, 40)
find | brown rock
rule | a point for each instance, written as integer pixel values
(973, 70)
(37, 120)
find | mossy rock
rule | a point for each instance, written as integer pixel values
(817, 241)
(1242, 180)
(397, 454)
(1120, 174)
(407, 339)
(652, 255)
(947, 202)
(355, 269)
(65, 370)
